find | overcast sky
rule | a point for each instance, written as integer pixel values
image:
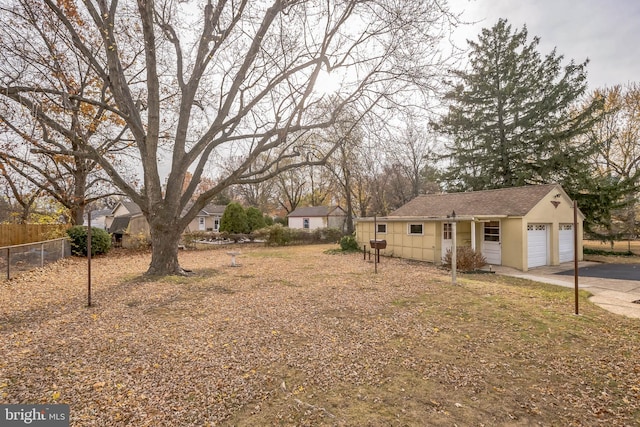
(605, 31)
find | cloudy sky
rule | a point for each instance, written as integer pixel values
(605, 31)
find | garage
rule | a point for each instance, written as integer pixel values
(517, 227)
(537, 244)
(565, 241)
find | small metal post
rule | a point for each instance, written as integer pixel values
(8, 263)
(454, 249)
(376, 256)
(575, 253)
(41, 254)
(364, 252)
(89, 259)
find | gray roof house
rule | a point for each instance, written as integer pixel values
(312, 217)
(520, 227)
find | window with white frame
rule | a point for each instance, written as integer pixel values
(492, 231)
(415, 229)
(381, 228)
(216, 224)
(447, 231)
(305, 223)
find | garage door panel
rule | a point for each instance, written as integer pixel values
(537, 245)
(566, 243)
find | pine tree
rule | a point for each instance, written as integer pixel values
(255, 219)
(234, 219)
(511, 117)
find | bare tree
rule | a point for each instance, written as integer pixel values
(292, 188)
(618, 155)
(412, 154)
(21, 192)
(46, 126)
(259, 195)
(321, 187)
(192, 87)
(345, 162)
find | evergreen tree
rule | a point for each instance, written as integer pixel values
(511, 119)
(234, 219)
(255, 220)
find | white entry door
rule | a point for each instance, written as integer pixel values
(537, 245)
(201, 225)
(447, 237)
(491, 243)
(566, 242)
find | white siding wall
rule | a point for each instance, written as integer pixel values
(314, 222)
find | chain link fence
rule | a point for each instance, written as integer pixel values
(20, 258)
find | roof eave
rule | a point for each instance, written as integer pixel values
(431, 218)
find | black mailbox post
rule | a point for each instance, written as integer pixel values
(377, 245)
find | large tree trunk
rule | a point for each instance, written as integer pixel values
(165, 237)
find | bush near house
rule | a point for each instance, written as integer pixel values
(100, 240)
(255, 219)
(234, 219)
(278, 235)
(349, 243)
(466, 259)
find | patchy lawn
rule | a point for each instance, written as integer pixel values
(295, 336)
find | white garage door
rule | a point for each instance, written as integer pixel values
(537, 245)
(566, 242)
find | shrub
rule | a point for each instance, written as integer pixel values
(466, 259)
(588, 251)
(138, 241)
(190, 238)
(349, 243)
(274, 235)
(100, 240)
(329, 235)
(234, 219)
(255, 219)
(236, 237)
(277, 235)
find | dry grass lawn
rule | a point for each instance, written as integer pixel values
(621, 246)
(296, 336)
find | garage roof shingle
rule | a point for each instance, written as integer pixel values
(515, 201)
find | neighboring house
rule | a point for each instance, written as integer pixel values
(98, 218)
(520, 227)
(126, 223)
(208, 219)
(310, 218)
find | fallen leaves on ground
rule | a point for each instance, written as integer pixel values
(295, 336)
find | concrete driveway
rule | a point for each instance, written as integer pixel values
(614, 287)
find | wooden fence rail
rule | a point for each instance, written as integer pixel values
(19, 234)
